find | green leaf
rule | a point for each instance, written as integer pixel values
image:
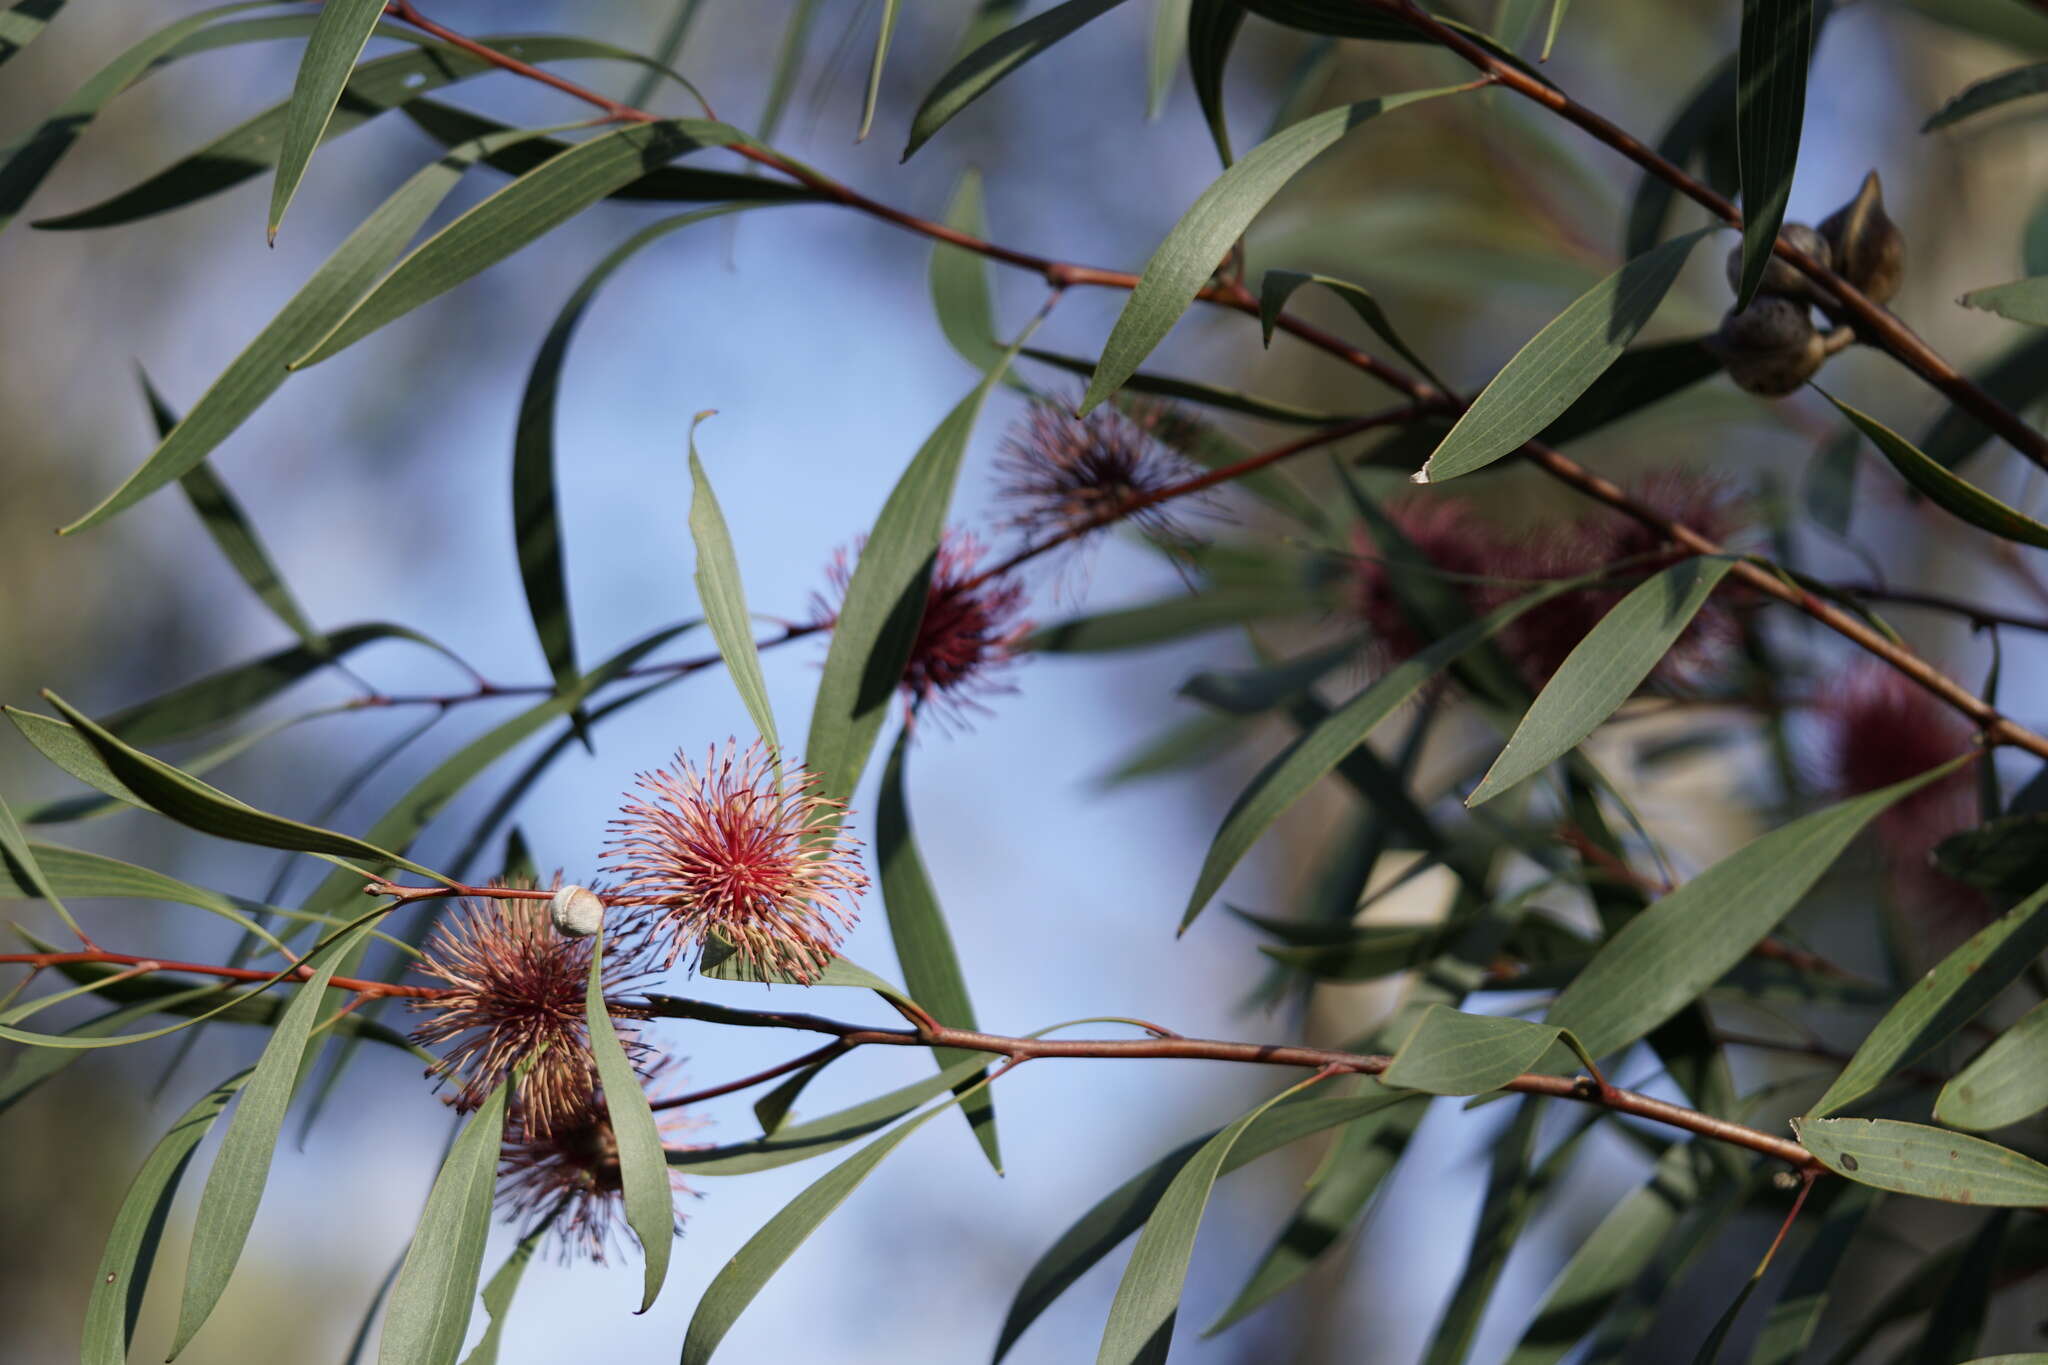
(1171, 618)
(1279, 285)
(93, 876)
(35, 1065)
(1188, 256)
(1141, 1317)
(2022, 300)
(1211, 33)
(2004, 1083)
(1298, 768)
(924, 945)
(326, 296)
(1951, 492)
(643, 1167)
(1637, 379)
(1911, 1158)
(1194, 391)
(874, 90)
(2016, 378)
(724, 600)
(1560, 362)
(1665, 957)
(123, 1274)
(2007, 856)
(1603, 671)
(498, 1296)
(1770, 107)
(1942, 1001)
(1162, 57)
(339, 37)
(1789, 1329)
(669, 48)
(771, 1111)
(741, 1278)
(430, 1300)
(1989, 93)
(1707, 117)
(234, 1187)
(971, 76)
(789, 61)
(959, 282)
(1956, 1325)
(885, 600)
(1829, 488)
(1452, 1053)
(23, 22)
(1368, 955)
(212, 811)
(528, 208)
(1550, 33)
(18, 863)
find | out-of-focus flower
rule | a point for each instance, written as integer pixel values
(743, 852)
(515, 995)
(1454, 540)
(968, 635)
(1066, 474)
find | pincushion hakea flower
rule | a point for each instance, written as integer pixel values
(970, 630)
(740, 851)
(1063, 473)
(516, 994)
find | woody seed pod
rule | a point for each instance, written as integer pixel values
(1870, 251)
(576, 911)
(1781, 277)
(1770, 348)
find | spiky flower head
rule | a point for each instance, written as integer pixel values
(1452, 540)
(566, 1178)
(970, 632)
(744, 851)
(1065, 474)
(515, 994)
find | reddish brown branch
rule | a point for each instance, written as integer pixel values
(835, 1048)
(144, 965)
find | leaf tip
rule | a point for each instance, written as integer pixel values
(1420, 476)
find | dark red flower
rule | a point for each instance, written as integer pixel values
(1454, 541)
(743, 851)
(1066, 474)
(566, 1178)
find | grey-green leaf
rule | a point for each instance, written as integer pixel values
(1560, 362)
(498, 1297)
(2022, 300)
(1911, 1158)
(1667, 956)
(971, 76)
(724, 600)
(430, 1300)
(1770, 107)
(1191, 251)
(883, 35)
(643, 1167)
(1951, 492)
(234, 1187)
(1453, 1053)
(1603, 671)
(959, 282)
(2005, 1083)
(24, 22)
(339, 36)
(1279, 285)
(1989, 93)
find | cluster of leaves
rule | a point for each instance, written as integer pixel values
(1616, 972)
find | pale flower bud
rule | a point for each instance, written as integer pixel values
(576, 911)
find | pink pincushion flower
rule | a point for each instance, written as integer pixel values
(1068, 474)
(742, 852)
(1452, 538)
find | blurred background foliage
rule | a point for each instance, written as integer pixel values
(380, 482)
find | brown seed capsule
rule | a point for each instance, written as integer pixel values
(1870, 251)
(1781, 277)
(1770, 348)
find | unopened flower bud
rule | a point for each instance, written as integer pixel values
(1782, 277)
(1770, 348)
(576, 911)
(1870, 251)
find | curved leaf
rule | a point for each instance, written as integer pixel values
(643, 1171)
(1188, 256)
(1603, 671)
(1172, 618)
(93, 876)
(1911, 1158)
(498, 1296)
(1664, 958)
(1637, 379)
(959, 282)
(1211, 32)
(971, 76)
(724, 599)
(23, 23)
(2004, 1083)
(18, 863)
(1770, 107)
(1560, 362)
(2016, 378)
(874, 87)
(2022, 300)
(1989, 93)
(1706, 117)
(1951, 492)
(339, 36)
(1453, 1053)
(430, 1299)
(1279, 285)
(1195, 391)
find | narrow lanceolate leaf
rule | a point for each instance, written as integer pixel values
(1667, 956)
(643, 1167)
(2007, 1081)
(1560, 362)
(18, 864)
(1944, 1000)
(2015, 378)
(924, 945)
(1636, 380)
(1141, 1317)
(1705, 119)
(743, 1277)
(1279, 286)
(430, 1300)
(234, 1187)
(724, 601)
(33, 1066)
(1453, 1053)
(1932, 1163)
(212, 811)
(123, 1274)
(339, 36)
(1191, 251)
(1770, 107)
(23, 22)
(959, 282)
(883, 35)
(885, 600)
(971, 76)
(1212, 31)
(498, 1294)
(1989, 93)
(1789, 1328)
(1298, 768)
(2022, 300)
(528, 208)
(1948, 491)
(1163, 54)
(256, 373)
(1603, 671)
